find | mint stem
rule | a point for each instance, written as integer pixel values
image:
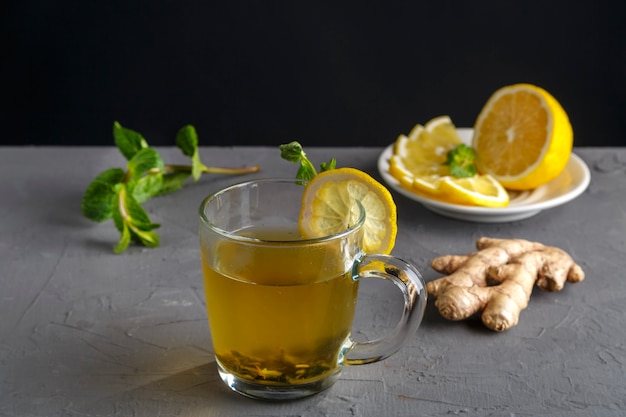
(121, 198)
(213, 170)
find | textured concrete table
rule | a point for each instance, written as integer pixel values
(85, 332)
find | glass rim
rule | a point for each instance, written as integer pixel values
(251, 240)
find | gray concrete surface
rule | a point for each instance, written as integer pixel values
(85, 332)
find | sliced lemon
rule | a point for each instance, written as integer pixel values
(418, 164)
(479, 190)
(522, 136)
(424, 150)
(418, 159)
(400, 171)
(429, 185)
(328, 207)
(443, 131)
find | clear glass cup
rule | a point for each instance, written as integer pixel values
(280, 307)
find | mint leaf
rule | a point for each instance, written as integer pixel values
(306, 170)
(293, 152)
(133, 222)
(99, 199)
(147, 238)
(327, 166)
(134, 214)
(461, 161)
(147, 186)
(172, 181)
(143, 161)
(462, 171)
(128, 141)
(124, 241)
(187, 140)
(118, 194)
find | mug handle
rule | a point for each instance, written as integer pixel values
(408, 279)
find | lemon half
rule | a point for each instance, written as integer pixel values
(522, 136)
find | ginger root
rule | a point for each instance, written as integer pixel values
(498, 279)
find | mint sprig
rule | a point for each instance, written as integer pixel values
(293, 152)
(461, 161)
(117, 194)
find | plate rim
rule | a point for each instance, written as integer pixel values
(573, 164)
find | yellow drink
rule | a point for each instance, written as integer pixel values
(279, 312)
(281, 307)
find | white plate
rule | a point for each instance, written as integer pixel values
(568, 185)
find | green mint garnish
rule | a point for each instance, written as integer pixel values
(461, 161)
(293, 152)
(117, 193)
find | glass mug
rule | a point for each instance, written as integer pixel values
(281, 307)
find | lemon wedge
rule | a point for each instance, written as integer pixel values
(329, 207)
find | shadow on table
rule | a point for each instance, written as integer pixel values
(196, 391)
(433, 320)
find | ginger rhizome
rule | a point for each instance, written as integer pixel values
(498, 279)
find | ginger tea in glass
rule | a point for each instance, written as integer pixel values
(281, 307)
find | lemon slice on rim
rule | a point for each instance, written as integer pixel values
(522, 136)
(329, 207)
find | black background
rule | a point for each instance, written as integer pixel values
(343, 73)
